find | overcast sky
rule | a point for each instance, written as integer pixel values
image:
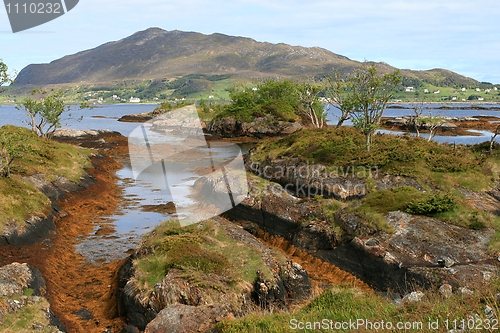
(460, 35)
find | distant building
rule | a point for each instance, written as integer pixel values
(409, 89)
(437, 91)
(134, 100)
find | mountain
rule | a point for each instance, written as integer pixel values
(155, 53)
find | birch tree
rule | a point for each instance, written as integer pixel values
(337, 93)
(369, 95)
(45, 111)
(308, 95)
(5, 77)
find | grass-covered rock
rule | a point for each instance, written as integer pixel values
(211, 263)
(46, 160)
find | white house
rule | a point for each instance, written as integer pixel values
(134, 100)
(409, 89)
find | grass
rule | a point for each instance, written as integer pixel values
(20, 198)
(25, 321)
(431, 163)
(340, 305)
(398, 155)
(438, 168)
(199, 250)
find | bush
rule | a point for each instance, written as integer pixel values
(435, 203)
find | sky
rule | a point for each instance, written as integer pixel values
(462, 36)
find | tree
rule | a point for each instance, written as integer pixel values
(337, 93)
(415, 120)
(432, 123)
(492, 140)
(45, 112)
(5, 77)
(6, 158)
(308, 95)
(369, 94)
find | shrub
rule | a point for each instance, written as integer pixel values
(435, 203)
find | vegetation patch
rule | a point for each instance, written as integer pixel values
(344, 304)
(437, 165)
(279, 99)
(33, 318)
(32, 155)
(197, 249)
(434, 203)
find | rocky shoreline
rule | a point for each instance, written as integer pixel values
(421, 253)
(48, 244)
(450, 126)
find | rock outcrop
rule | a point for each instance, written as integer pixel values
(229, 127)
(23, 287)
(214, 299)
(422, 251)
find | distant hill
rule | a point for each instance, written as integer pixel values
(156, 54)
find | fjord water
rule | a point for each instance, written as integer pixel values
(115, 235)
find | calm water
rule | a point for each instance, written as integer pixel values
(334, 113)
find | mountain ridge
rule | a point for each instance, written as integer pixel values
(156, 53)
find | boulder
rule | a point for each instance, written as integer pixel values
(181, 318)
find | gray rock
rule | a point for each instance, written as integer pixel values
(465, 291)
(489, 312)
(180, 318)
(413, 297)
(446, 290)
(445, 262)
